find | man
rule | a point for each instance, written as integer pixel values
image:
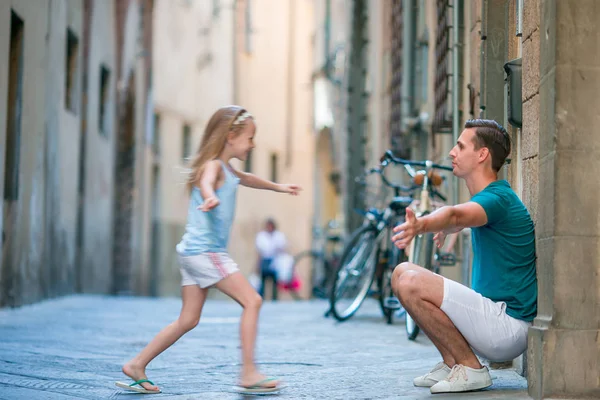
(269, 243)
(491, 319)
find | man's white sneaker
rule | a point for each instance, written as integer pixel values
(439, 372)
(463, 379)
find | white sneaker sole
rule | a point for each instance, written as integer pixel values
(424, 383)
(460, 389)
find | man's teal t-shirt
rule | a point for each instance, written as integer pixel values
(504, 252)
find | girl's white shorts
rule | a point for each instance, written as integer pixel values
(206, 269)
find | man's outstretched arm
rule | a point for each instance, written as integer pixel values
(447, 219)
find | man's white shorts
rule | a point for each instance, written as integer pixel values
(490, 332)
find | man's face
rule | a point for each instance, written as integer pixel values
(465, 158)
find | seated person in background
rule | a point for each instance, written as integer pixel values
(269, 243)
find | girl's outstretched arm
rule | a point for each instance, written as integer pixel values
(207, 185)
(253, 181)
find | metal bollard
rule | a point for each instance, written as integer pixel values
(467, 256)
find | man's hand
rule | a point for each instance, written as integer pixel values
(406, 231)
(290, 188)
(439, 239)
(209, 204)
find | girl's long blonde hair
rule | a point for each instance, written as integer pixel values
(223, 121)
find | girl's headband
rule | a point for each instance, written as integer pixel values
(241, 118)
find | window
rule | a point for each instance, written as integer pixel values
(248, 29)
(156, 135)
(423, 60)
(248, 163)
(187, 142)
(421, 56)
(71, 71)
(216, 8)
(274, 167)
(103, 99)
(14, 109)
(442, 120)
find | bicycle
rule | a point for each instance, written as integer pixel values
(365, 247)
(422, 250)
(365, 250)
(324, 258)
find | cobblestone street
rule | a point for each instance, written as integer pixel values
(73, 348)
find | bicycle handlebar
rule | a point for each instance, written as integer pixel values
(396, 186)
(389, 156)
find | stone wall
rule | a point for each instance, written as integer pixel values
(57, 226)
(564, 343)
(531, 107)
(23, 212)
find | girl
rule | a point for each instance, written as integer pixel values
(202, 252)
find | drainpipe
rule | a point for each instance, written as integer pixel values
(290, 84)
(327, 39)
(234, 54)
(356, 117)
(408, 62)
(456, 10)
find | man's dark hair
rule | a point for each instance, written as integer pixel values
(271, 221)
(493, 136)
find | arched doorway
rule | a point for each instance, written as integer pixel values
(327, 202)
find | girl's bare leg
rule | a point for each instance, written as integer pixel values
(238, 288)
(193, 300)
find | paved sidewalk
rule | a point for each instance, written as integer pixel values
(73, 348)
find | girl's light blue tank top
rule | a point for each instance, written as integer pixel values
(208, 232)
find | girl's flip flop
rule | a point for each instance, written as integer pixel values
(259, 387)
(136, 389)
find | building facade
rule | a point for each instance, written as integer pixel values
(196, 37)
(273, 44)
(68, 67)
(255, 54)
(531, 66)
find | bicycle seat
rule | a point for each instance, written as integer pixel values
(334, 238)
(399, 203)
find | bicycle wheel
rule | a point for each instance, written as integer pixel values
(355, 273)
(388, 302)
(317, 268)
(421, 254)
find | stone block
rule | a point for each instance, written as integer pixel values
(545, 276)
(547, 37)
(531, 65)
(576, 193)
(577, 116)
(576, 282)
(513, 41)
(547, 125)
(530, 179)
(520, 364)
(531, 17)
(475, 14)
(530, 134)
(577, 35)
(553, 371)
(546, 214)
(475, 67)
